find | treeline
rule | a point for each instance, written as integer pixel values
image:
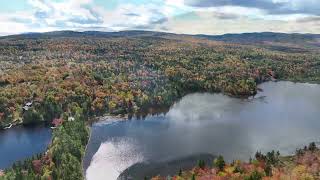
(303, 165)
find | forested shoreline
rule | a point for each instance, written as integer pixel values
(73, 79)
(304, 164)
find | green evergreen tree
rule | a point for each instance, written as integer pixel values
(254, 176)
(201, 164)
(193, 177)
(51, 109)
(180, 172)
(219, 163)
(31, 117)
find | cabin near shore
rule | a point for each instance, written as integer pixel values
(27, 106)
(57, 122)
(1, 173)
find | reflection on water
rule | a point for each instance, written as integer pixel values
(283, 117)
(122, 152)
(151, 169)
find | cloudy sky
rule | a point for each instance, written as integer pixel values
(178, 16)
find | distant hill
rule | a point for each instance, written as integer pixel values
(261, 37)
(274, 41)
(101, 34)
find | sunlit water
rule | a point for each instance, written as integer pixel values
(285, 116)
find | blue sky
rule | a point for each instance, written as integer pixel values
(178, 16)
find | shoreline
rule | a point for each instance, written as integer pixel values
(126, 116)
(85, 150)
(115, 118)
(106, 118)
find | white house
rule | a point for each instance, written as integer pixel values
(27, 106)
(70, 119)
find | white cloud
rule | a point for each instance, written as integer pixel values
(49, 15)
(84, 15)
(130, 16)
(233, 10)
(208, 23)
(174, 2)
(161, 15)
(39, 4)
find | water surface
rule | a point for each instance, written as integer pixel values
(19, 143)
(285, 116)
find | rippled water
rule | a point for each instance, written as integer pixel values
(283, 117)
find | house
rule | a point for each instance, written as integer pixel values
(1, 173)
(27, 106)
(70, 119)
(57, 122)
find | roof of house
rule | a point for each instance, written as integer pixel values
(57, 122)
(1, 173)
(26, 108)
(71, 119)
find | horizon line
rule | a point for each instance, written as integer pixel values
(152, 31)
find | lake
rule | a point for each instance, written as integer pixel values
(19, 143)
(284, 116)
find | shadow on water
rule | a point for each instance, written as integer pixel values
(167, 168)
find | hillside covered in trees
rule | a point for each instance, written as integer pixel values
(71, 77)
(105, 73)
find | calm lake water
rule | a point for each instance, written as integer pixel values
(285, 116)
(19, 143)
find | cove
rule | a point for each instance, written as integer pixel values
(284, 116)
(19, 143)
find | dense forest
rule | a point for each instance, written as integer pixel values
(73, 77)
